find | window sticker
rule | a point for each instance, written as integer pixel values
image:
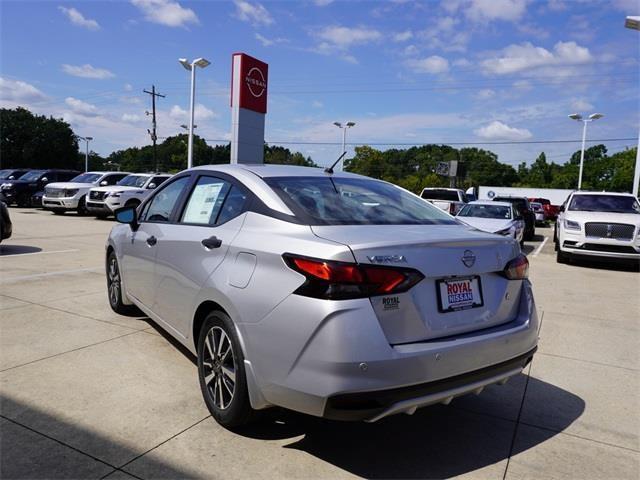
(202, 202)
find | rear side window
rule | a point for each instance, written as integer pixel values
(164, 201)
(205, 201)
(157, 181)
(354, 201)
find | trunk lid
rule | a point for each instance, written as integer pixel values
(436, 251)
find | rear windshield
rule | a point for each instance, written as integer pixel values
(520, 203)
(486, 211)
(133, 181)
(448, 195)
(604, 203)
(86, 178)
(348, 201)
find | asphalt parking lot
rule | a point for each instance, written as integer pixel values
(89, 394)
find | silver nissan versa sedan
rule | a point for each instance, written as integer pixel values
(335, 295)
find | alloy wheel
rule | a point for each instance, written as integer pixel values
(113, 274)
(219, 365)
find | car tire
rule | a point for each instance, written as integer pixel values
(562, 257)
(114, 288)
(82, 208)
(101, 216)
(22, 200)
(58, 212)
(221, 372)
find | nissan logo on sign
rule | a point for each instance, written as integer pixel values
(251, 82)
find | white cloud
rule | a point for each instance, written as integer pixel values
(433, 64)
(253, 13)
(488, 10)
(403, 36)
(461, 62)
(268, 42)
(81, 108)
(166, 12)
(526, 56)
(499, 131)
(322, 3)
(485, 94)
(442, 35)
(130, 117)
(128, 87)
(317, 104)
(410, 51)
(87, 71)
(344, 37)
(201, 113)
(556, 5)
(580, 105)
(78, 19)
(630, 7)
(18, 91)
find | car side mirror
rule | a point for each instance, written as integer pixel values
(562, 208)
(44, 179)
(104, 183)
(151, 186)
(127, 215)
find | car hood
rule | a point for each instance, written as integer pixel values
(19, 183)
(487, 224)
(115, 188)
(69, 185)
(604, 217)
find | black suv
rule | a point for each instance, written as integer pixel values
(20, 191)
(12, 173)
(523, 207)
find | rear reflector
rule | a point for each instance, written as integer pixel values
(333, 280)
(517, 269)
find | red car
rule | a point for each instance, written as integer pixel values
(550, 211)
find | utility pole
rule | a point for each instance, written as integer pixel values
(152, 132)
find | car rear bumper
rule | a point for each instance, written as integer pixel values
(348, 370)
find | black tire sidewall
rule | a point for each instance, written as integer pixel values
(239, 412)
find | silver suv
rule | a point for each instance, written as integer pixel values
(335, 295)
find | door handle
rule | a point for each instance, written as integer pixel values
(212, 242)
(151, 241)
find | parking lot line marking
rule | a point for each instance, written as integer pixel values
(40, 253)
(540, 247)
(50, 274)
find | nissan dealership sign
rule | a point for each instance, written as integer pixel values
(253, 80)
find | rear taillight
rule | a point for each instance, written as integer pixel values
(517, 269)
(332, 280)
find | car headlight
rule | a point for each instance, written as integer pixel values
(571, 225)
(70, 192)
(505, 231)
(6, 186)
(114, 194)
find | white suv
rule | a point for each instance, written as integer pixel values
(130, 191)
(62, 197)
(599, 224)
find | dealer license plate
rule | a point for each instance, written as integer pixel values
(459, 294)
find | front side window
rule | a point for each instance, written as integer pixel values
(32, 176)
(354, 201)
(205, 201)
(164, 201)
(605, 203)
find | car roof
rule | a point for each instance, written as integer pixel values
(489, 202)
(267, 170)
(511, 197)
(617, 194)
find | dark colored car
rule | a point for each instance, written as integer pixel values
(523, 207)
(36, 199)
(12, 173)
(550, 211)
(5, 222)
(19, 191)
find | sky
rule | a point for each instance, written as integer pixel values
(476, 72)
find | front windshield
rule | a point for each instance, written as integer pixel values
(86, 178)
(133, 181)
(486, 211)
(605, 203)
(354, 201)
(32, 176)
(4, 174)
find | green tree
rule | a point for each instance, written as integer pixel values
(35, 141)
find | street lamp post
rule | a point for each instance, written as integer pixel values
(86, 153)
(202, 63)
(633, 22)
(344, 128)
(591, 118)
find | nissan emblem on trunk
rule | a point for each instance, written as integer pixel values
(468, 258)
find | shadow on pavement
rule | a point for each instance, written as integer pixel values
(616, 265)
(436, 442)
(27, 455)
(7, 250)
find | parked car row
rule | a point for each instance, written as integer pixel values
(60, 191)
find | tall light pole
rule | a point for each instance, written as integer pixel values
(86, 153)
(634, 24)
(591, 118)
(344, 128)
(202, 63)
